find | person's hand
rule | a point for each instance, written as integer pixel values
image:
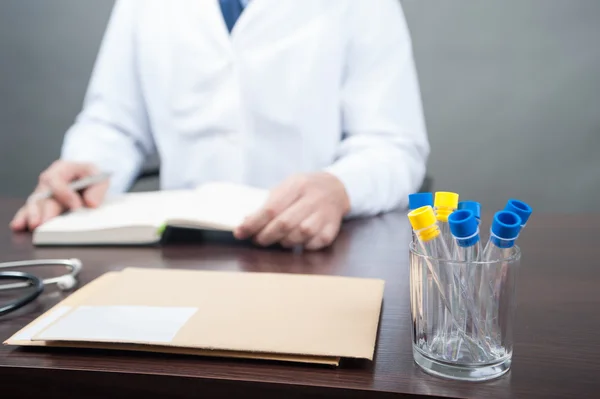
(304, 210)
(57, 178)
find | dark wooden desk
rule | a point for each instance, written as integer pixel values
(557, 333)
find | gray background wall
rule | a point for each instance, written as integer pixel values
(511, 91)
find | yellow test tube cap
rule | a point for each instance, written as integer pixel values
(446, 200)
(445, 203)
(422, 217)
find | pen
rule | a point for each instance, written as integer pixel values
(75, 186)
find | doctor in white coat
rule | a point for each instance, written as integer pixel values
(316, 100)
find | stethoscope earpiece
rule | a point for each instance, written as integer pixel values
(66, 283)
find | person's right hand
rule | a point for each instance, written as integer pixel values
(57, 178)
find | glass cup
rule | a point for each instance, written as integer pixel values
(462, 315)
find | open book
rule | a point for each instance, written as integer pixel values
(141, 217)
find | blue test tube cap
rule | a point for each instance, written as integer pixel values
(464, 226)
(505, 228)
(418, 200)
(473, 206)
(520, 208)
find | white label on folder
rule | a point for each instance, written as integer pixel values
(138, 324)
(29, 332)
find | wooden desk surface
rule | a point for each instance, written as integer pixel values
(557, 330)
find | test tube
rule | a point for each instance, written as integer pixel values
(417, 200)
(472, 274)
(522, 209)
(428, 232)
(432, 244)
(505, 229)
(472, 206)
(506, 226)
(464, 227)
(465, 230)
(444, 204)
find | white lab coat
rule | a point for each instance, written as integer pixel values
(298, 86)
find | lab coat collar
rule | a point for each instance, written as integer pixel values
(245, 18)
(209, 12)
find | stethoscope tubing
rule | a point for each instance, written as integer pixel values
(73, 264)
(64, 282)
(32, 281)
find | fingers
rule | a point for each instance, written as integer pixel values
(36, 212)
(306, 230)
(57, 179)
(325, 237)
(19, 221)
(33, 214)
(50, 209)
(314, 233)
(286, 222)
(278, 201)
(94, 195)
(63, 193)
(304, 210)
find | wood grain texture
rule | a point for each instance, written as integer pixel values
(557, 339)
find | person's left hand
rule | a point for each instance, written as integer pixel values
(304, 210)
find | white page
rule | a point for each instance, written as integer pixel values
(218, 204)
(130, 209)
(150, 324)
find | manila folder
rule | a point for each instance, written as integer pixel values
(307, 318)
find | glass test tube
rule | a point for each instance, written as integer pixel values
(505, 229)
(417, 200)
(444, 204)
(432, 244)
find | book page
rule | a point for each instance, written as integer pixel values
(218, 205)
(127, 210)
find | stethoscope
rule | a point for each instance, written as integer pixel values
(27, 280)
